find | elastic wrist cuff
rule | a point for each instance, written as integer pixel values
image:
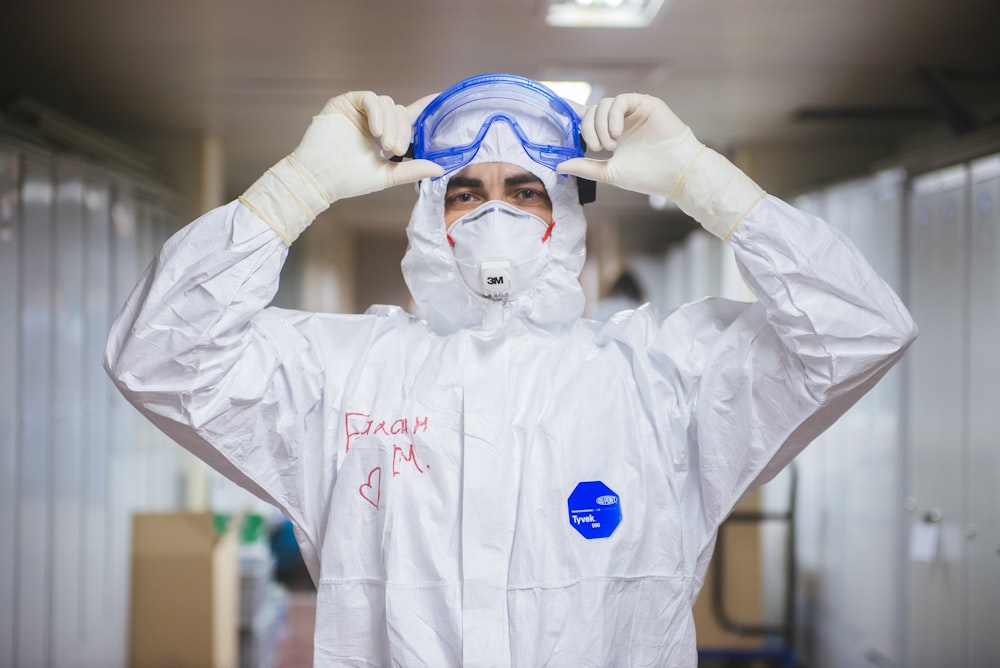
(285, 199)
(716, 193)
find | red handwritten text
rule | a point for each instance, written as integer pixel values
(399, 456)
(362, 424)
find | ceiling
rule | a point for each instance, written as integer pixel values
(767, 81)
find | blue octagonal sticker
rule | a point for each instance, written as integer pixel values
(594, 509)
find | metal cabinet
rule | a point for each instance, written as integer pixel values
(982, 530)
(10, 269)
(954, 570)
(936, 261)
(953, 560)
(34, 373)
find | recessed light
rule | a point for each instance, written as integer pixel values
(574, 91)
(602, 13)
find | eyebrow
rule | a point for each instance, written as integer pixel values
(459, 181)
(521, 179)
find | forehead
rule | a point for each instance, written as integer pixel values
(493, 174)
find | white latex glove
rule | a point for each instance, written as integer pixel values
(344, 153)
(655, 153)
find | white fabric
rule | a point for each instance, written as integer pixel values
(499, 241)
(427, 472)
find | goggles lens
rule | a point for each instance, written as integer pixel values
(452, 127)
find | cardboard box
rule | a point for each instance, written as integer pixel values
(185, 592)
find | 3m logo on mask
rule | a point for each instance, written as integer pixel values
(496, 278)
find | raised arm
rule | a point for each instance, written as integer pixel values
(194, 348)
(761, 381)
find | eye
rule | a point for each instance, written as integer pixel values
(531, 196)
(461, 198)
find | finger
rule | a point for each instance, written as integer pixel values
(587, 168)
(388, 110)
(400, 130)
(397, 139)
(587, 129)
(622, 107)
(409, 171)
(367, 103)
(333, 104)
(608, 142)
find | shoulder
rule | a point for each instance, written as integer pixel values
(376, 322)
(701, 317)
(685, 336)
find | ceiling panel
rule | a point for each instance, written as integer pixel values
(254, 71)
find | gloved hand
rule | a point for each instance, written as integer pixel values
(655, 153)
(344, 153)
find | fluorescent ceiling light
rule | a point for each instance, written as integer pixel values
(602, 13)
(574, 91)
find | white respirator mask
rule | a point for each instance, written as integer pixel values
(501, 250)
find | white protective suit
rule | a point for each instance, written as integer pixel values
(428, 464)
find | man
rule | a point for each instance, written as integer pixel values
(501, 482)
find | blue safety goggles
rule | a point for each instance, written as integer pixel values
(452, 127)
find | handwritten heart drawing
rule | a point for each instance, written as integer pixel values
(371, 491)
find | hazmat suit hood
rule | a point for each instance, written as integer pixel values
(554, 302)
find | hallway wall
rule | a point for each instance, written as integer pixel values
(75, 459)
(899, 549)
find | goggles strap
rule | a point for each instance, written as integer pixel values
(586, 190)
(399, 158)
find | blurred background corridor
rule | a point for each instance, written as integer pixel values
(122, 120)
